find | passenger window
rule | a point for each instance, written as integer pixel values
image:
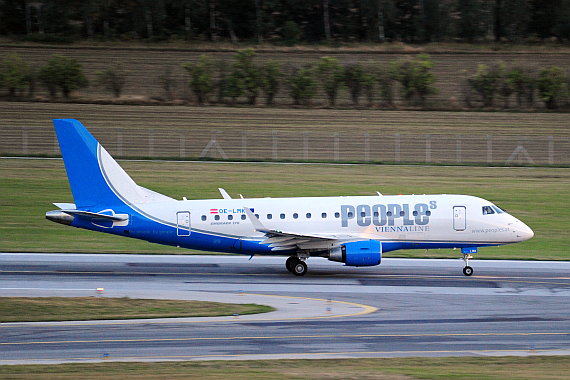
(350, 214)
(295, 216)
(230, 217)
(487, 210)
(428, 213)
(402, 213)
(308, 215)
(324, 215)
(282, 216)
(203, 218)
(415, 213)
(217, 217)
(243, 217)
(389, 213)
(257, 216)
(376, 214)
(337, 214)
(269, 216)
(363, 214)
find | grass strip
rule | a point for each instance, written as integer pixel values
(467, 368)
(535, 196)
(44, 309)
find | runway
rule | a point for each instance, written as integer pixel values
(404, 307)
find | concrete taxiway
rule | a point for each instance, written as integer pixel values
(403, 307)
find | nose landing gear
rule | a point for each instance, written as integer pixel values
(467, 270)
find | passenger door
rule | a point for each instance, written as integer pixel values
(183, 223)
(459, 218)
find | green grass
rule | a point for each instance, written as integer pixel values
(43, 309)
(501, 368)
(538, 196)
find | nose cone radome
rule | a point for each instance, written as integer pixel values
(523, 231)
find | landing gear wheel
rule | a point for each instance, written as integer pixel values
(289, 263)
(468, 271)
(299, 268)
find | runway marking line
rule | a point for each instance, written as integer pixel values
(350, 354)
(281, 337)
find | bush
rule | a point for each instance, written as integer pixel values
(331, 74)
(354, 80)
(523, 84)
(486, 83)
(386, 89)
(200, 77)
(14, 74)
(63, 73)
(302, 86)
(270, 79)
(552, 85)
(113, 79)
(415, 77)
(234, 87)
(248, 72)
(369, 82)
(222, 82)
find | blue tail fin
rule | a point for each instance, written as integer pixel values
(95, 178)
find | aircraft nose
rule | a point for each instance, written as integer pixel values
(523, 231)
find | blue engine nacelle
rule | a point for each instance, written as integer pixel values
(359, 253)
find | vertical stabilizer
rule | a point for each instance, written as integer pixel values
(95, 177)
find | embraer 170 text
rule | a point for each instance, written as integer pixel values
(351, 230)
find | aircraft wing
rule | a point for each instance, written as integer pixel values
(283, 241)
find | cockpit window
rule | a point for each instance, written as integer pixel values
(498, 209)
(488, 210)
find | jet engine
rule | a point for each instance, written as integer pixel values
(359, 253)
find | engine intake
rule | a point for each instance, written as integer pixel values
(359, 253)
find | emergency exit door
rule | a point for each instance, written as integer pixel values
(183, 223)
(459, 221)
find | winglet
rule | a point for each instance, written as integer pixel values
(256, 223)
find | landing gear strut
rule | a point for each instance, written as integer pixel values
(467, 270)
(296, 266)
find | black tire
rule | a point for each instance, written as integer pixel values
(468, 271)
(289, 263)
(299, 268)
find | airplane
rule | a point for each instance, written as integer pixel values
(354, 230)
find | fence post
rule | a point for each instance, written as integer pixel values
(306, 146)
(274, 133)
(336, 146)
(428, 149)
(25, 141)
(182, 145)
(367, 147)
(244, 145)
(550, 150)
(151, 142)
(397, 147)
(458, 149)
(489, 149)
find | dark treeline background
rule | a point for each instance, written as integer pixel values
(288, 21)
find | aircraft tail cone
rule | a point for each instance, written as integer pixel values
(60, 217)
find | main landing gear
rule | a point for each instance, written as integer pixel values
(467, 270)
(296, 266)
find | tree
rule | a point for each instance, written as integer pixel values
(469, 25)
(200, 77)
(552, 85)
(113, 79)
(13, 74)
(63, 73)
(331, 74)
(248, 72)
(271, 73)
(386, 90)
(302, 86)
(369, 82)
(354, 76)
(486, 83)
(424, 78)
